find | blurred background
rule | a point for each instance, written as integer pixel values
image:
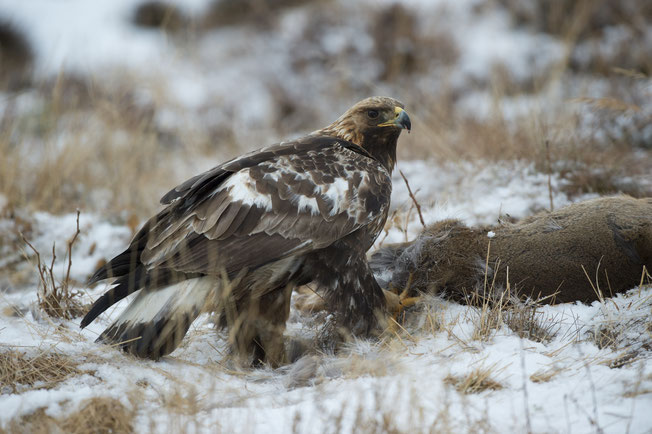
(517, 106)
(105, 105)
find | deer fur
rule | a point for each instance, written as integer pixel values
(581, 252)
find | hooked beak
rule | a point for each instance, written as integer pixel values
(401, 120)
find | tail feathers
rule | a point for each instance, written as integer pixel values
(156, 321)
(124, 286)
(123, 264)
(127, 261)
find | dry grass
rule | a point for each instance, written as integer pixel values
(184, 400)
(584, 26)
(100, 149)
(522, 317)
(160, 15)
(476, 381)
(402, 49)
(16, 57)
(543, 376)
(56, 297)
(488, 318)
(527, 321)
(98, 145)
(95, 415)
(490, 308)
(98, 139)
(606, 335)
(20, 372)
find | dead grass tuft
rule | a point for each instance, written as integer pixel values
(56, 297)
(490, 308)
(402, 49)
(624, 359)
(544, 376)
(95, 415)
(95, 141)
(19, 372)
(599, 180)
(527, 321)
(186, 401)
(160, 15)
(522, 317)
(607, 335)
(477, 381)
(590, 26)
(262, 13)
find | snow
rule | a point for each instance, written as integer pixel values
(410, 385)
(479, 193)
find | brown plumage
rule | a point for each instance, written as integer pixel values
(610, 238)
(301, 211)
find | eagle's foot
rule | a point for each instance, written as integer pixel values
(396, 305)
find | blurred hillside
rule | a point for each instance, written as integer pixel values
(112, 96)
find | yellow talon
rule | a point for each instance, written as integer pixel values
(397, 303)
(409, 301)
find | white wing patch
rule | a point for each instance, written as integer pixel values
(306, 203)
(336, 193)
(242, 187)
(181, 297)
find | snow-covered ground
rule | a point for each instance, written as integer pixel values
(405, 382)
(252, 85)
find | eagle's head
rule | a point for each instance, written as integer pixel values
(373, 124)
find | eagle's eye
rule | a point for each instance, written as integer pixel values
(373, 114)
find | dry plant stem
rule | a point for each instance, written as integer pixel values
(594, 421)
(596, 286)
(552, 208)
(55, 298)
(414, 199)
(70, 244)
(526, 400)
(644, 274)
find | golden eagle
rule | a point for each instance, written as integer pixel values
(250, 230)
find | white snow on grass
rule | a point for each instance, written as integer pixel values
(401, 382)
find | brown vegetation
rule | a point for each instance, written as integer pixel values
(100, 149)
(95, 415)
(160, 15)
(16, 57)
(56, 297)
(587, 24)
(98, 146)
(20, 372)
(233, 12)
(402, 48)
(476, 381)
